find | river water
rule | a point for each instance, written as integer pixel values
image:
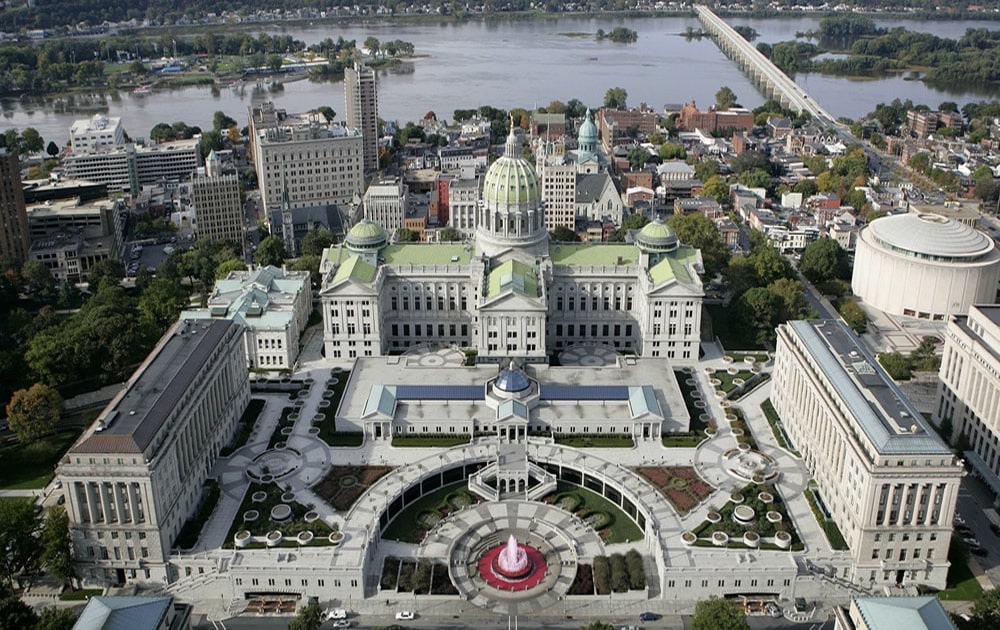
(523, 63)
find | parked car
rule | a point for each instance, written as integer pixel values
(648, 616)
(970, 541)
(334, 613)
(978, 551)
(958, 520)
(405, 615)
(342, 623)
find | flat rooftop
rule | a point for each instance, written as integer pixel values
(134, 418)
(884, 413)
(594, 255)
(427, 254)
(457, 393)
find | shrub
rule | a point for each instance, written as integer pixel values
(602, 575)
(619, 575)
(636, 571)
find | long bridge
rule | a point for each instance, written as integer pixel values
(768, 77)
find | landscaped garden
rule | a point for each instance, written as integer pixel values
(777, 427)
(611, 523)
(328, 407)
(619, 573)
(833, 535)
(342, 485)
(751, 517)
(420, 578)
(595, 440)
(700, 421)
(271, 513)
(738, 425)
(285, 421)
(442, 440)
(189, 533)
(245, 427)
(419, 517)
(962, 583)
(681, 485)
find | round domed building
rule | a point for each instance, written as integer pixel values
(925, 266)
(511, 213)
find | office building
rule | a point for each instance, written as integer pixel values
(135, 475)
(98, 133)
(884, 476)
(217, 204)
(891, 613)
(385, 203)
(361, 109)
(14, 239)
(272, 304)
(969, 393)
(130, 167)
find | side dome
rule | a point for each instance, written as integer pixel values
(512, 380)
(588, 131)
(366, 235)
(656, 236)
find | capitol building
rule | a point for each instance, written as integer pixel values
(510, 293)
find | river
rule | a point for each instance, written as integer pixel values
(522, 63)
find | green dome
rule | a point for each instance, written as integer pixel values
(366, 235)
(588, 131)
(657, 236)
(511, 179)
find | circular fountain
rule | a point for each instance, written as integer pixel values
(512, 566)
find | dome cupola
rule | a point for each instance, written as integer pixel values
(366, 236)
(656, 237)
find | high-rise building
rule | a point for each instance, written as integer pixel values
(361, 106)
(14, 241)
(217, 204)
(970, 388)
(883, 475)
(99, 133)
(135, 476)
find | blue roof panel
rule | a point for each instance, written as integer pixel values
(440, 392)
(584, 392)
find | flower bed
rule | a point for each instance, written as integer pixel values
(341, 497)
(679, 484)
(751, 515)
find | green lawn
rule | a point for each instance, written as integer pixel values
(328, 426)
(30, 467)
(622, 527)
(833, 535)
(406, 528)
(595, 441)
(80, 595)
(777, 428)
(682, 440)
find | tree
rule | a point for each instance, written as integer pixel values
(897, 365)
(758, 309)
(18, 524)
(372, 45)
(161, 303)
(700, 232)
(405, 235)
(615, 98)
(271, 251)
(791, 296)
(705, 169)
(562, 234)
(327, 113)
(986, 610)
(37, 277)
(598, 625)
(450, 234)
(755, 178)
(854, 315)
(316, 240)
(310, 263)
(630, 222)
(210, 141)
(53, 618)
(637, 158)
(16, 614)
(823, 260)
(309, 618)
(31, 141)
(107, 270)
(34, 412)
(718, 614)
(221, 120)
(724, 98)
(57, 554)
(768, 265)
(224, 269)
(716, 188)
(52, 149)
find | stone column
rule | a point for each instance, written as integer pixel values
(133, 503)
(119, 503)
(105, 493)
(92, 503)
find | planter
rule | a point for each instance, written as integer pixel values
(720, 394)
(727, 359)
(710, 431)
(242, 538)
(287, 430)
(731, 417)
(765, 497)
(773, 517)
(783, 539)
(720, 539)
(758, 477)
(288, 497)
(336, 538)
(327, 395)
(304, 538)
(293, 417)
(313, 431)
(319, 417)
(698, 404)
(744, 515)
(309, 380)
(705, 417)
(280, 446)
(274, 537)
(258, 497)
(743, 447)
(323, 404)
(709, 370)
(737, 432)
(733, 370)
(688, 538)
(714, 382)
(750, 359)
(311, 517)
(751, 539)
(281, 512)
(736, 497)
(250, 516)
(713, 517)
(739, 382)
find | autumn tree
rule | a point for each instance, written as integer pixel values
(34, 412)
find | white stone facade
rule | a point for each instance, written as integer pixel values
(885, 477)
(99, 133)
(135, 476)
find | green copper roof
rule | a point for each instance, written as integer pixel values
(590, 255)
(512, 276)
(426, 254)
(657, 229)
(366, 233)
(588, 130)
(673, 266)
(511, 180)
(355, 268)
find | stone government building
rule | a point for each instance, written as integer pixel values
(509, 292)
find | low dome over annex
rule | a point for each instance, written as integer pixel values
(924, 266)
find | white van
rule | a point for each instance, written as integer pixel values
(334, 613)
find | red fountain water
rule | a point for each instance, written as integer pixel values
(512, 566)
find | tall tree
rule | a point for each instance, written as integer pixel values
(57, 553)
(823, 260)
(562, 234)
(161, 303)
(16, 614)
(53, 618)
(316, 240)
(309, 618)
(18, 524)
(725, 98)
(34, 412)
(271, 251)
(615, 98)
(700, 232)
(718, 614)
